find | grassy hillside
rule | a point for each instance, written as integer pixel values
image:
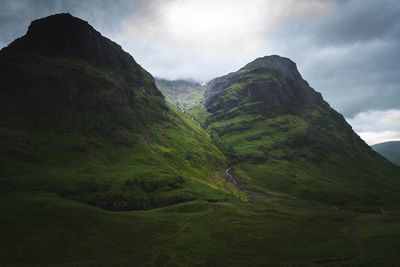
(188, 96)
(96, 169)
(97, 133)
(390, 150)
(97, 152)
(281, 136)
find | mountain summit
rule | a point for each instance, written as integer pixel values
(267, 81)
(71, 71)
(66, 35)
(285, 65)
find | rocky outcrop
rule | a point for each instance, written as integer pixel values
(65, 35)
(286, 66)
(270, 80)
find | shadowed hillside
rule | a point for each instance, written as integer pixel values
(283, 137)
(97, 169)
(79, 117)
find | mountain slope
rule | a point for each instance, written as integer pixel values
(79, 117)
(390, 150)
(281, 136)
(186, 95)
(97, 170)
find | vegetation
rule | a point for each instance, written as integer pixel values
(188, 96)
(287, 146)
(96, 169)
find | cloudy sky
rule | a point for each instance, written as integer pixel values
(349, 50)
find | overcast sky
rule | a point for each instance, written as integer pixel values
(347, 50)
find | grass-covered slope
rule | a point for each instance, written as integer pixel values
(283, 137)
(97, 170)
(188, 96)
(88, 129)
(41, 229)
(390, 150)
(181, 93)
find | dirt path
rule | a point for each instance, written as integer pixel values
(356, 241)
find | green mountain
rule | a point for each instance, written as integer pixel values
(97, 169)
(280, 135)
(390, 150)
(80, 118)
(187, 95)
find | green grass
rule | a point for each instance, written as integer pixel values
(52, 188)
(39, 228)
(187, 96)
(311, 153)
(129, 180)
(165, 164)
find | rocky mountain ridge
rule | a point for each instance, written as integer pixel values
(70, 69)
(65, 35)
(268, 80)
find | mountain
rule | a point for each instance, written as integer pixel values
(186, 95)
(282, 136)
(97, 169)
(390, 150)
(80, 118)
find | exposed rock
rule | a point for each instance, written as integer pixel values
(271, 80)
(63, 34)
(73, 78)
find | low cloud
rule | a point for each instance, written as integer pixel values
(205, 39)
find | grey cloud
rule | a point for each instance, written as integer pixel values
(104, 15)
(351, 56)
(360, 22)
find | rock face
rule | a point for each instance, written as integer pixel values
(270, 80)
(65, 35)
(64, 68)
(286, 66)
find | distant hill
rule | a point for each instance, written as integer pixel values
(187, 95)
(390, 150)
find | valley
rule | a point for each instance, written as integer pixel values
(103, 165)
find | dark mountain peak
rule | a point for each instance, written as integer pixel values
(62, 24)
(272, 81)
(68, 36)
(63, 68)
(286, 66)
